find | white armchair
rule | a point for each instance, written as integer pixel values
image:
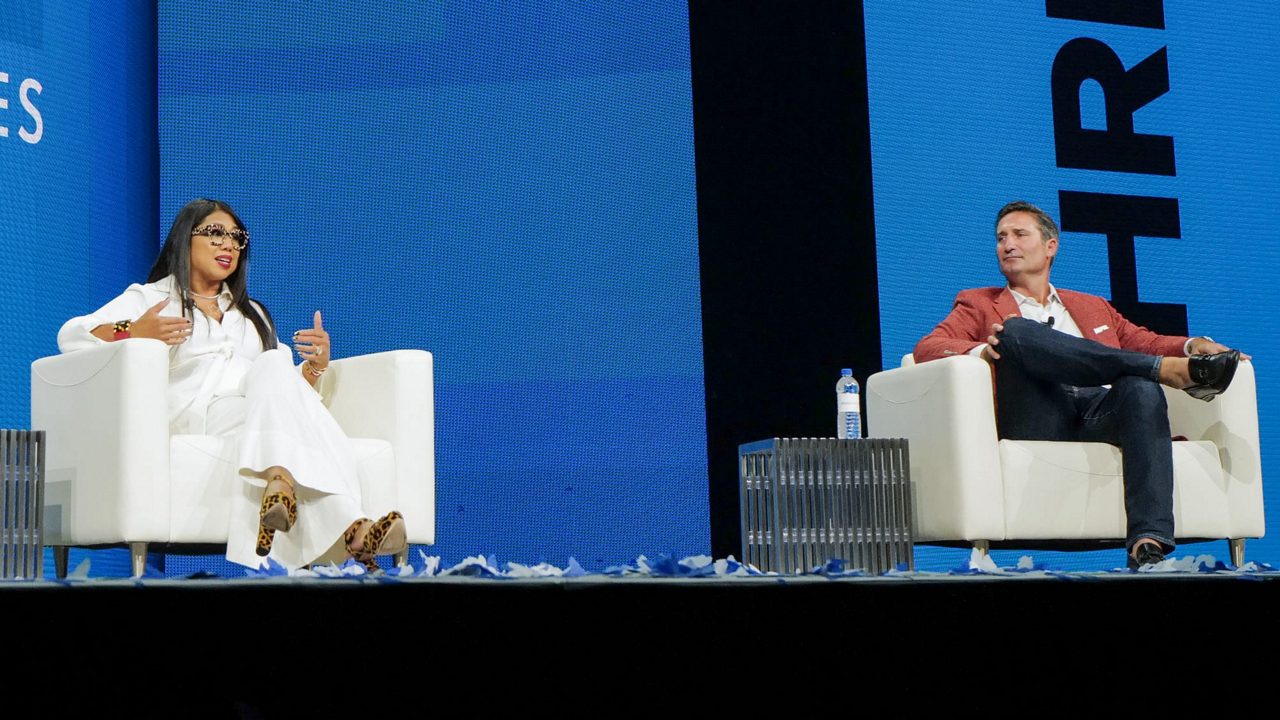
(970, 486)
(114, 475)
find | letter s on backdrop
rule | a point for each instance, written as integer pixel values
(24, 93)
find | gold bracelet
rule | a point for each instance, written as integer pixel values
(315, 371)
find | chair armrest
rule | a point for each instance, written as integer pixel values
(1231, 423)
(391, 396)
(105, 413)
(944, 409)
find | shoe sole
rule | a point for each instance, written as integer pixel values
(1207, 392)
(395, 541)
(277, 518)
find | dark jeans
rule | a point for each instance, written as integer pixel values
(1047, 388)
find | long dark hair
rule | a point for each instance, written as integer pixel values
(175, 260)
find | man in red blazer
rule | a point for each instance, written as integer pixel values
(1053, 351)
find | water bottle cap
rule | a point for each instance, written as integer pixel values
(846, 371)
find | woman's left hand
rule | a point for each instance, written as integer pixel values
(313, 344)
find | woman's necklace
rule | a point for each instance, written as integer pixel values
(214, 312)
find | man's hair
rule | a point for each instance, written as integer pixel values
(1048, 228)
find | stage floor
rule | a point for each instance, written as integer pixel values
(634, 644)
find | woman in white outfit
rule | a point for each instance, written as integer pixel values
(230, 376)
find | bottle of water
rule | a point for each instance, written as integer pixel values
(848, 406)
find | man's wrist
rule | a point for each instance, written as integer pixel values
(1189, 348)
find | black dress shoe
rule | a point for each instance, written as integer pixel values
(1147, 554)
(1211, 374)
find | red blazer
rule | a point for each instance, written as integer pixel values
(971, 318)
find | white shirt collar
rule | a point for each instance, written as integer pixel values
(166, 285)
(1053, 298)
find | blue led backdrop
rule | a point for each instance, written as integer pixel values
(510, 185)
(962, 121)
(78, 186)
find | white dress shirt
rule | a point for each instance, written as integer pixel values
(213, 361)
(1053, 308)
(1031, 309)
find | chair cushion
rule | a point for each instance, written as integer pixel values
(1066, 490)
(203, 472)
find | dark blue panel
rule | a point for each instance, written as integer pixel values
(508, 185)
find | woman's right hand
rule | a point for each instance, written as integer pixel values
(171, 330)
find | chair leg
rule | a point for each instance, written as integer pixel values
(61, 557)
(138, 558)
(402, 557)
(1237, 551)
(982, 546)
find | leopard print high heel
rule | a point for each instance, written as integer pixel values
(279, 512)
(384, 537)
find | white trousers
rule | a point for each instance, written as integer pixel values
(279, 420)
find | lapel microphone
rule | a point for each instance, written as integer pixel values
(1049, 322)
